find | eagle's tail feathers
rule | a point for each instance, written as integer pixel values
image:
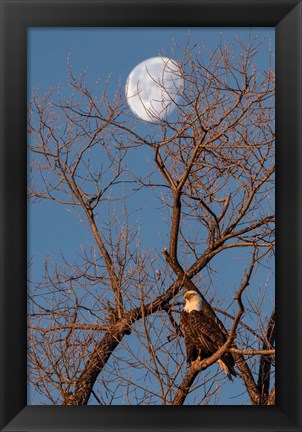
(229, 370)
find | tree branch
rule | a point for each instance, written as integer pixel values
(266, 362)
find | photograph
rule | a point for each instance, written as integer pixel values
(151, 216)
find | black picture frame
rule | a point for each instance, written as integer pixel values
(16, 17)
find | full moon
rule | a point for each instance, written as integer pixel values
(153, 88)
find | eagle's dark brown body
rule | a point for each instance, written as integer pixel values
(203, 337)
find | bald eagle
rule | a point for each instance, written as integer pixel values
(203, 337)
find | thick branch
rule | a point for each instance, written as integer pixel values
(97, 360)
(252, 352)
(266, 362)
(88, 327)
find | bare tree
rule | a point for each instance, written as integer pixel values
(104, 329)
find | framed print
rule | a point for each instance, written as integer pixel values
(141, 278)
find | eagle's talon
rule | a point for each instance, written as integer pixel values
(194, 363)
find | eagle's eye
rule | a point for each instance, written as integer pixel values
(190, 296)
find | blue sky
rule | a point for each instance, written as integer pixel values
(52, 228)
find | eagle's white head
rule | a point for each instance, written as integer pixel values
(193, 301)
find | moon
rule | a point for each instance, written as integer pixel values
(153, 88)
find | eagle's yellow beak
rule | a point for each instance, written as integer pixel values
(186, 295)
